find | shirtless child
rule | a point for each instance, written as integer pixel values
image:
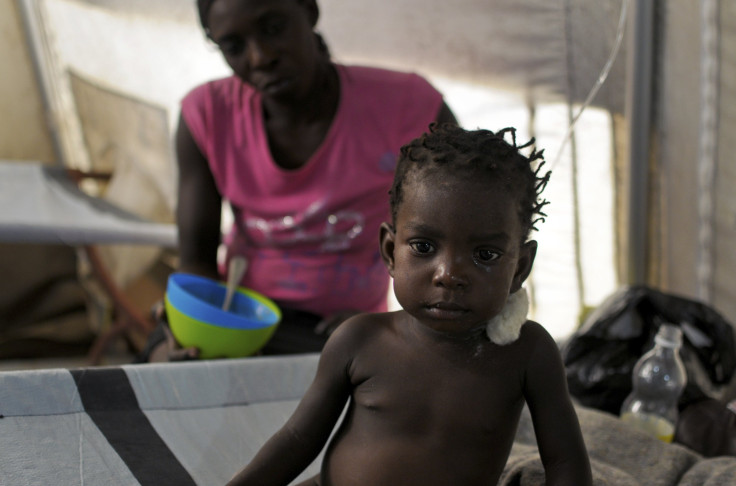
(436, 390)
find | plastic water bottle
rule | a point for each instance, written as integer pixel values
(658, 380)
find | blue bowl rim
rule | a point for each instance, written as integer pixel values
(207, 313)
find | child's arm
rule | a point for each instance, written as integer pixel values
(556, 425)
(285, 455)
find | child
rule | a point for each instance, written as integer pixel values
(436, 389)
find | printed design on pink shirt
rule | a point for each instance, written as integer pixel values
(344, 278)
(316, 225)
(387, 162)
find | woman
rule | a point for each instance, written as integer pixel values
(303, 149)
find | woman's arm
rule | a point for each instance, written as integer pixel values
(198, 216)
(199, 205)
(293, 448)
(556, 425)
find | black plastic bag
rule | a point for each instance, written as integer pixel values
(707, 427)
(600, 357)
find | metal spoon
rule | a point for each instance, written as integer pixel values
(235, 271)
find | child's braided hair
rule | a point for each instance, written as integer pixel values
(482, 154)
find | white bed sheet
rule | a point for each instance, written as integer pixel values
(39, 204)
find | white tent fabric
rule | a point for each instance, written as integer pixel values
(503, 63)
(536, 53)
(197, 423)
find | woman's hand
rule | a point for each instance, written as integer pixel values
(328, 325)
(169, 349)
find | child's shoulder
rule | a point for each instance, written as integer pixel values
(535, 328)
(363, 326)
(539, 350)
(358, 333)
(534, 334)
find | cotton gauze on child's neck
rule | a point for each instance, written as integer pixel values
(506, 326)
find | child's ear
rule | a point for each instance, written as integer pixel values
(388, 245)
(524, 264)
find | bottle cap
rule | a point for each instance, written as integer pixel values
(669, 335)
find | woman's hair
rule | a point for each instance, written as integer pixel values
(480, 155)
(204, 6)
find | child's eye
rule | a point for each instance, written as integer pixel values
(485, 255)
(421, 247)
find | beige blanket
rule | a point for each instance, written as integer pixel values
(620, 456)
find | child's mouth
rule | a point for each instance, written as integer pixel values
(446, 310)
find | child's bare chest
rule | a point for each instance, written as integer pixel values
(426, 397)
(422, 418)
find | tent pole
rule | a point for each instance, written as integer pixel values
(28, 10)
(708, 148)
(639, 110)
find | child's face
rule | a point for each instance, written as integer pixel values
(456, 253)
(269, 44)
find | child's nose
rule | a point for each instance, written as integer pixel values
(450, 274)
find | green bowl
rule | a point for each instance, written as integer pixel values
(215, 341)
(193, 309)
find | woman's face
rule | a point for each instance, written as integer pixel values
(269, 44)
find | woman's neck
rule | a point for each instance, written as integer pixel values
(296, 129)
(319, 104)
